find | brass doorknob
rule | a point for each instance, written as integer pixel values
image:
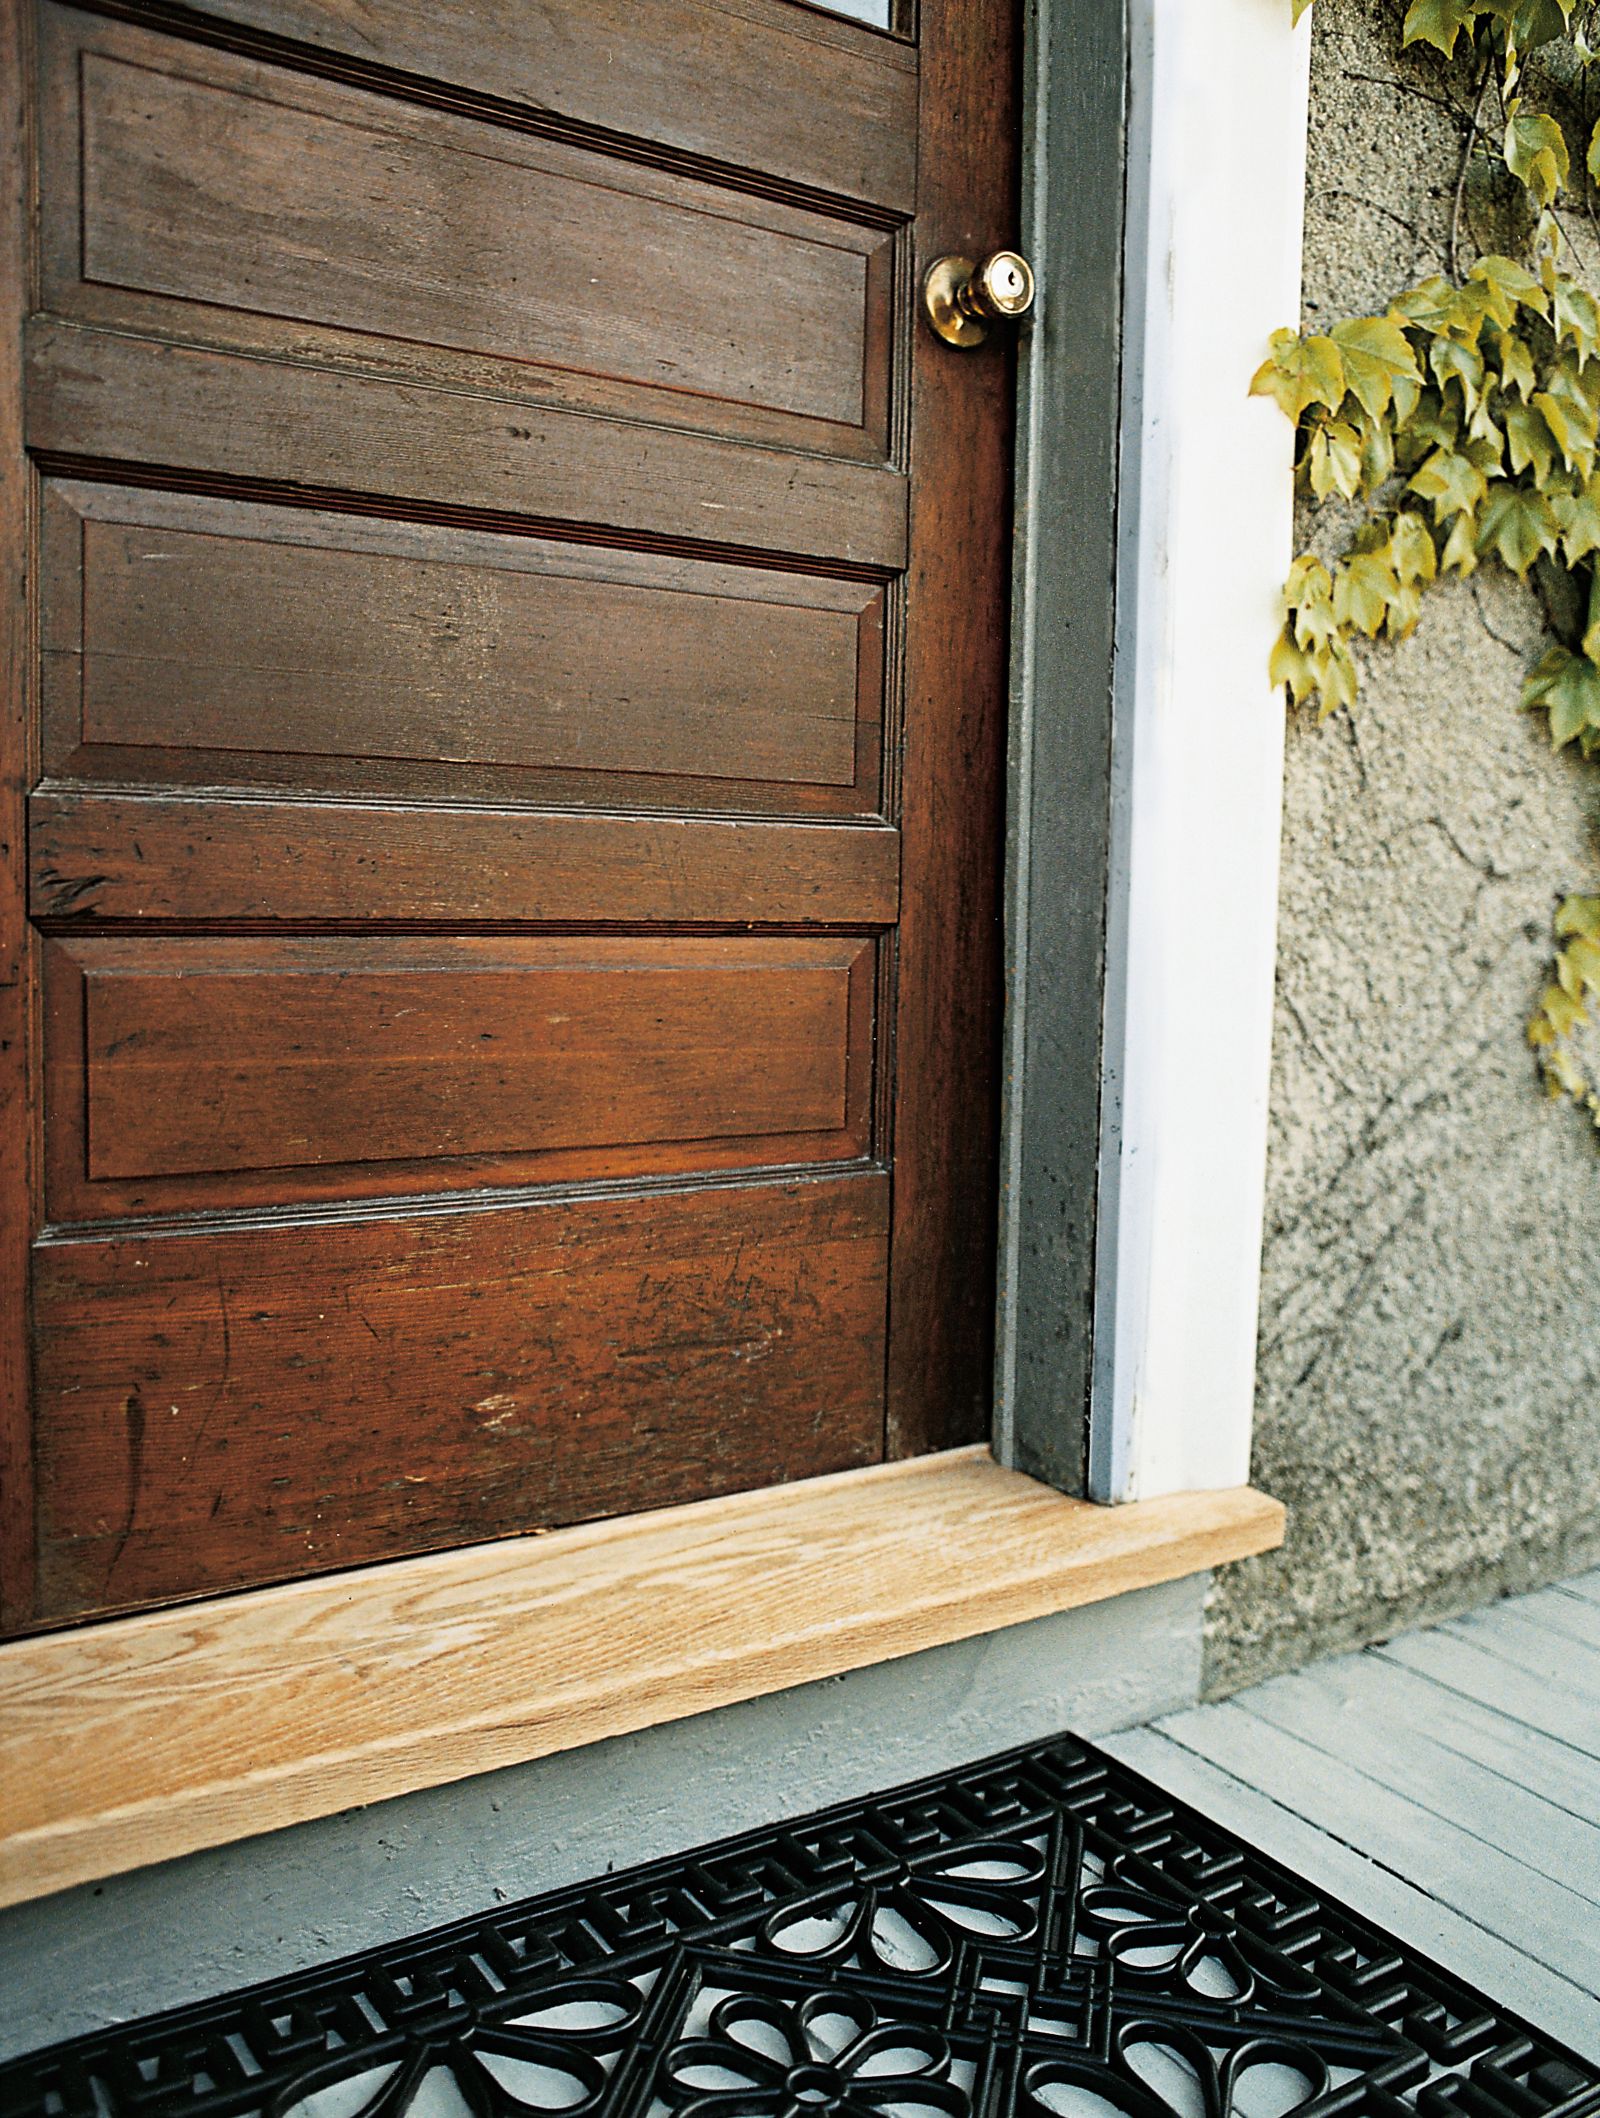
(963, 299)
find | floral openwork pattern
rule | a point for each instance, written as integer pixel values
(1043, 1935)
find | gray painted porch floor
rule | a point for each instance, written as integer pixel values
(1446, 1785)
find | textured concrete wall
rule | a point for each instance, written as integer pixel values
(1429, 1392)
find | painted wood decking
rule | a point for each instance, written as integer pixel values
(1446, 1784)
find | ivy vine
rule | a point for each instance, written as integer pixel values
(1463, 424)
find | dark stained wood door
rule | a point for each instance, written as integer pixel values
(506, 615)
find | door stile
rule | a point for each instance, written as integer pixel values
(941, 1299)
(17, 954)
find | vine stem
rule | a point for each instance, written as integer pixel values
(1459, 206)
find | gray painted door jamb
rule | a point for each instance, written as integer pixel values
(1069, 391)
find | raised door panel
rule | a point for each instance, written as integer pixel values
(193, 638)
(202, 194)
(182, 1072)
(764, 88)
(222, 1407)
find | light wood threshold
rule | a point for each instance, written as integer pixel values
(134, 1740)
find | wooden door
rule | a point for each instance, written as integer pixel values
(508, 612)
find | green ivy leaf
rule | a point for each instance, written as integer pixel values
(1301, 372)
(1377, 455)
(1517, 526)
(1335, 459)
(1537, 22)
(1576, 317)
(1567, 686)
(1573, 426)
(1431, 306)
(1380, 368)
(1530, 440)
(1411, 551)
(1508, 287)
(1438, 22)
(1290, 664)
(1516, 365)
(1451, 481)
(1579, 915)
(1536, 151)
(1463, 365)
(1578, 518)
(1460, 554)
(1363, 590)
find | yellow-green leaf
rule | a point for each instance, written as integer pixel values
(1516, 525)
(1336, 678)
(1509, 286)
(1530, 440)
(1536, 152)
(1579, 915)
(1301, 372)
(1451, 481)
(1377, 454)
(1379, 365)
(1290, 664)
(1334, 460)
(1460, 554)
(1516, 365)
(1576, 316)
(1567, 686)
(1431, 305)
(1463, 365)
(1438, 22)
(1411, 551)
(1362, 591)
(1578, 517)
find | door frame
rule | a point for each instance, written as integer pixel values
(1105, 1357)
(1146, 749)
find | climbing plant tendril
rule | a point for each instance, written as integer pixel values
(1462, 424)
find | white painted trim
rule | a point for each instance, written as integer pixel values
(1217, 133)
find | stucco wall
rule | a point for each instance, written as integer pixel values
(1429, 1382)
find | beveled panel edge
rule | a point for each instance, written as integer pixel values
(143, 1738)
(102, 405)
(720, 153)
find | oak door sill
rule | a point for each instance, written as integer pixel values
(145, 1737)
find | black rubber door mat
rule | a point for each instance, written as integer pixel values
(1044, 1932)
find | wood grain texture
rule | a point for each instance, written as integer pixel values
(319, 218)
(101, 395)
(129, 856)
(316, 208)
(186, 1072)
(187, 636)
(225, 1406)
(792, 97)
(17, 744)
(128, 1743)
(952, 788)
